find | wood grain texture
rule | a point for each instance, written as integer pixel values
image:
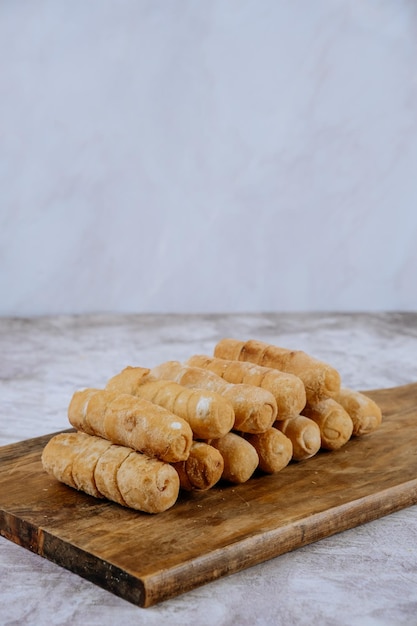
(146, 559)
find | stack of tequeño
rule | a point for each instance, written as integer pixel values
(252, 406)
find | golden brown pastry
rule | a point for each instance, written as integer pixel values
(208, 413)
(105, 474)
(304, 435)
(274, 450)
(335, 424)
(203, 468)
(255, 408)
(320, 380)
(133, 422)
(239, 456)
(364, 412)
(128, 380)
(287, 389)
(86, 462)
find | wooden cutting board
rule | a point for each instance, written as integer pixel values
(146, 558)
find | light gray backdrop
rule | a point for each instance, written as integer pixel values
(192, 156)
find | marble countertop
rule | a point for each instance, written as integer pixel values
(364, 576)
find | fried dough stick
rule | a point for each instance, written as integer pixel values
(255, 408)
(287, 389)
(133, 422)
(208, 413)
(102, 469)
(320, 379)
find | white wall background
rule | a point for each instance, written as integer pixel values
(203, 156)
